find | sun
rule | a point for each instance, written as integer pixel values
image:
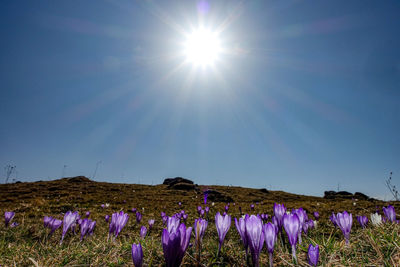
(202, 47)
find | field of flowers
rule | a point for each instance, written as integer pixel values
(153, 226)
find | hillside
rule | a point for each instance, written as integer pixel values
(59, 196)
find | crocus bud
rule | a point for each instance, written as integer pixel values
(137, 255)
(362, 220)
(199, 208)
(207, 209)
(344, 222)
(255, 237)
(8, 216)
(279, 212)
(200, 226)
(151, 223)
(313, 255)
(270, 232)
(138, 217)
(241, 228)
(46, 220)
(143, 232)
(291, 223)
(390, 213)
(69, 221)
(223, 223)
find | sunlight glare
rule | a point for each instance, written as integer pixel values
(202, 47)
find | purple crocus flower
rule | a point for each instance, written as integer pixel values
(313, 255)
(107, 218)
(87, 214)
(344, 222)
(226, 208)
(54, 224)
(223, 223)
(279, 212)
(118, 221)
(137, 255)
(316, 215)
(8, 216)
(185, 217)
(362, 220)
(134, 210)
(14, 224)
(275, 222)
(85, 227)
(69, 220)
(304, 228)
(333, 219)
(264, 217)
(180, 203)
(47, 220)
(205, 197)
(252, 206)
(390, 213)
(207, 209)
(151, 223)
(138, 217)
(255, 237)
(311, 224)
(143, 232)
(175, 244)
(202, 212)
(199, 208)
(102, 206)
(172, 223)
(241, 228)
(301, 213)
(164, 219)
(92, 225)
(270, 232)
(200, 226)
(291, 223)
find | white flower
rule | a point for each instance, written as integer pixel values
(107, 205)
(315, 224)
(212, 204)
(354, 203)
(376, 219)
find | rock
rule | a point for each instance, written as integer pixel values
(361, 196)
(345, 195)
(216, 196)
(263, 190)
(329, 194)
(173, 181)
(340, 194)
(78, 179)
(182, 186)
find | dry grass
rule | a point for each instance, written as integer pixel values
(28, 244)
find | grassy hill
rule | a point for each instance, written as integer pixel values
(28, 243)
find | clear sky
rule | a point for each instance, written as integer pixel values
(301, 96)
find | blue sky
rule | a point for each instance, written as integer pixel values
(304, 97)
